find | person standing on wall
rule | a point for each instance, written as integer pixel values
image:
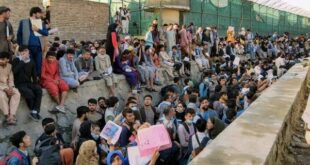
(6, 30)
(30, 33)
(125, 17)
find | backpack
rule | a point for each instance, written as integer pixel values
(187, 128)
(202, 144)
(14, 153)
(48, 154)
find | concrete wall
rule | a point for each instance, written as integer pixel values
(169, 15)
(263, 134)
(79, 19)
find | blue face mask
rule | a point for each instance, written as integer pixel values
(95, 136)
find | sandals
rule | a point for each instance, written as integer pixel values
(149, 89)
(11, 120)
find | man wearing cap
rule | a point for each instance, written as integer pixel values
(30, 33)
(6, 30)
(125, 45)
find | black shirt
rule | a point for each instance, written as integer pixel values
(24, 73)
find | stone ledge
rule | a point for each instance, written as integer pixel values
(251, 138)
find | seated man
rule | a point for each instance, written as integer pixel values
(167, 62)
(104, 67)
(26, 82)
(9, 96)
(201, 58)
(68, 70)
(85, 66)
(50, 80)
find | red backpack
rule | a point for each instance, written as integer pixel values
(14, 153)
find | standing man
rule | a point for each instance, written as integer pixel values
(125, 16)
(214, 42)
(6, 30)
(30, 33)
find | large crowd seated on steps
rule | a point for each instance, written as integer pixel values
(235, 70)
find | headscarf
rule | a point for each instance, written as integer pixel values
(109, 45)
(87, 154)
(219, 126)
(114, 153)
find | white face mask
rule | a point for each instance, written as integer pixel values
(93, 51)
(135, 108)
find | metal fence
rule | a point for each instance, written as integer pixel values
(220, 13)
(140, 19)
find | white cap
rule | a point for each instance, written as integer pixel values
(127, 38)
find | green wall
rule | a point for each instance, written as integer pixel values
(238, 13)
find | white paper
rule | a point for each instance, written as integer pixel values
(38, 23)
(236, 61)
(135, 157)
(110, 70)
(186, 59)
(111, 131)
(7, 32)
(307, 136)
(53, 31)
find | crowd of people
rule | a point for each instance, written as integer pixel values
(234, 70)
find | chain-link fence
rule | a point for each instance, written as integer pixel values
(220, 13)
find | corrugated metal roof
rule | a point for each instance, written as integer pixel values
(286, 5)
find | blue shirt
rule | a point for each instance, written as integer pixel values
(33, 40)
(205, 115)
(15, 160)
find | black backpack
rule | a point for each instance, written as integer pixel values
(187, 128)
(48, 154)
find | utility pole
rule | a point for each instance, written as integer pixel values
(140, 17)
(110, 8)
(160, 14)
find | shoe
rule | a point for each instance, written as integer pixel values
(158, 83)
(143, 85)
(53, 111)
(14, 118)
(33, 116)
(12, 122)
(7, 118)
(61, 109)
(148, 89)
(38, 116)
(74, 90)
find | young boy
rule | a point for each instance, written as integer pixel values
(185, 131)
(26, 81)
(20, 155)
